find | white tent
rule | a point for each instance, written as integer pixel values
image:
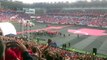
(7, 28)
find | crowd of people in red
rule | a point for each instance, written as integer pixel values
(8, 15)
(88, 17)
(13, 48)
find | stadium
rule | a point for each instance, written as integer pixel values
(53, 31)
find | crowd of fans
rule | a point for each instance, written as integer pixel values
(89, 18)
(79, 17)
(8, 15)
(13, 48)
(12, 15)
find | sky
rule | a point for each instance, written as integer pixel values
(34, 1)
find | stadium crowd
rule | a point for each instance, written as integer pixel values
(8, 15)
(13, 48)
(89, 18)
(12, 15)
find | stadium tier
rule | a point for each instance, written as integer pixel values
(57, 31)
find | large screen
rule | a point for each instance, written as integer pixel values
(29, 10)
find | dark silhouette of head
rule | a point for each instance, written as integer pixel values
(1, 49)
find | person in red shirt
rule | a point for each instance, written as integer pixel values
(18, 52)
(10, 55)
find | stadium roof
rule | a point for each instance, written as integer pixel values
(83, 8)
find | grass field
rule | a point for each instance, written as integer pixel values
(84, 42)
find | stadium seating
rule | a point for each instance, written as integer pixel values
(41, 51)
(7, 15)
(94, 18)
